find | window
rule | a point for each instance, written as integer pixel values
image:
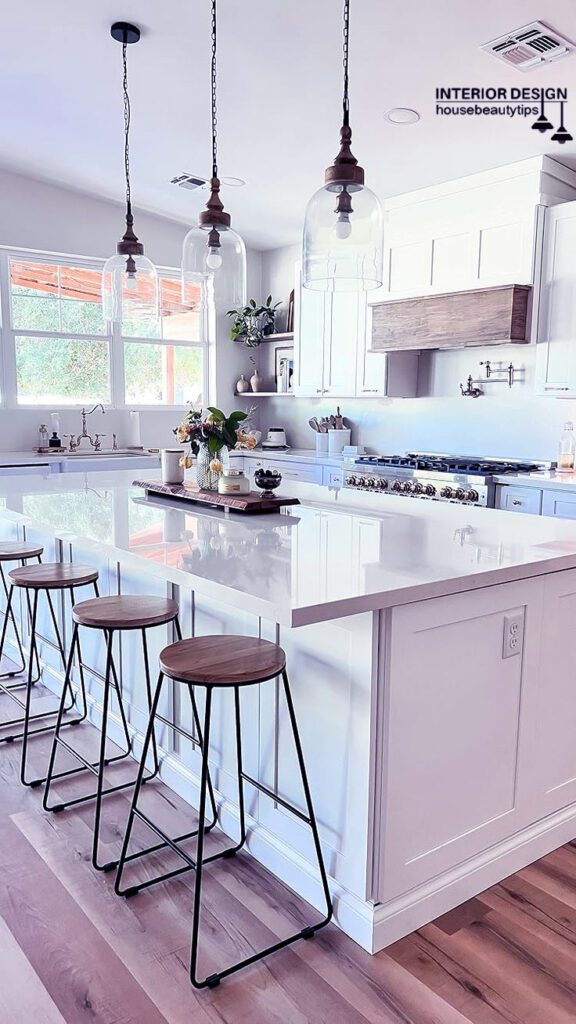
(58, 351)
(158, 372)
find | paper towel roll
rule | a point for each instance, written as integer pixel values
(133, 433)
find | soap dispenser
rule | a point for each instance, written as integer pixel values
(43, 436)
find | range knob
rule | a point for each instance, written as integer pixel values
(446, 492)
(371, 481)
(430, 490)
(472, 495)
(460, 493)
(396, 486)
(351, 480)
(382, 484)
(418, 488)
(407, 485)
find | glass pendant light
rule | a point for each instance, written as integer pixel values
(343, 235)
(214, 255)
(129, 279)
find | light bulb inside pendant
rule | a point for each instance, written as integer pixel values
(131, 282)
(343, 227)
(213, 256)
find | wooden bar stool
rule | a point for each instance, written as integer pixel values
(47, 578)
(110, 615)
(218, 662)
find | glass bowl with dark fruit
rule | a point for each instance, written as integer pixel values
(267, 480)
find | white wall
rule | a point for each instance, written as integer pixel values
(45, 217)
(504, 422)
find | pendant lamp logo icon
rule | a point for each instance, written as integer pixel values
(546, 105)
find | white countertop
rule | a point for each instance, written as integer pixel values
(291, 454)
(546, 481)
(337, 553)
(27, 458)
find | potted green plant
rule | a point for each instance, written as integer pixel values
(252, 323)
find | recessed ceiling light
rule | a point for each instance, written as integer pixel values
(402, 116)
(234, 182)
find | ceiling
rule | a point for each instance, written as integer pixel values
(279, 97)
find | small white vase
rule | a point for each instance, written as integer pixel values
(256, 381)
(242, 385)
(172, 471)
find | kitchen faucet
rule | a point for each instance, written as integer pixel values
(95, 442)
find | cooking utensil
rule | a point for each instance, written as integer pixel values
(339, 420)
(313, 422)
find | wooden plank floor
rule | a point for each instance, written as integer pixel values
(72, 952)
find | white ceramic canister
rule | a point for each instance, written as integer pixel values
(337, 439)
(321, 443)
(233, 481)
(172, 471)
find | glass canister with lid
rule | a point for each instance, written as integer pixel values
(233, 481)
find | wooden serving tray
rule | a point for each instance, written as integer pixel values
(248, 503)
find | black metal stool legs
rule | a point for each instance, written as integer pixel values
(135, 812)
(67, 692)
(96, 768)
(305, 933)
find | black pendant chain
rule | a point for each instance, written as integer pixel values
(345, 48)
(126, 128)
(213, 89)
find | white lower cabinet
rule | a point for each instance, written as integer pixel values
(452, 746)
(303, 472)
(552, 707)
(558, 503)
(519, 499)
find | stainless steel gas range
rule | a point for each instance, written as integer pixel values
(464, 479)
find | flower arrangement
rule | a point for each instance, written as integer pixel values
(214, 429)
(211, 435)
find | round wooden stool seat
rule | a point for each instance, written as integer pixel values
(53, 575)
(125, 612)
(14, 550)
(222, 660)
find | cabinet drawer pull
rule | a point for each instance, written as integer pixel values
(319, 391)
(555, 387)
(370, 391)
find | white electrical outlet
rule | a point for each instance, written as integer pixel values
(513, 637)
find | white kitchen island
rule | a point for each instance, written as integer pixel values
(437, 765)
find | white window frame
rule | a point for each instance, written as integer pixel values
(114, 338)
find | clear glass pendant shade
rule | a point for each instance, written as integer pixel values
(130, 292)
(223, 264)
(343, 251)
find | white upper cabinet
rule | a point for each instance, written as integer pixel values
(474, 232)
(311, 324)
(556, 351)
(332, 350)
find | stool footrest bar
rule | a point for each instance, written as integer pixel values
(277, 799)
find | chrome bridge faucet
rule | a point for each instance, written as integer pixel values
(95, 443)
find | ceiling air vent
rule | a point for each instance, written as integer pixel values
(530, 46)
(191, 181)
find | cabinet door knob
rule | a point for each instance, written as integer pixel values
(516, 501)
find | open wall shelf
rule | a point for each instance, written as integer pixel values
(265, 394)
